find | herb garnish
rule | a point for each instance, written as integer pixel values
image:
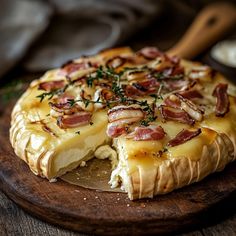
(120, 97)
(49, 95)
(162, 76)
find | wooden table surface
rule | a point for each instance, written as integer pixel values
(14, 221)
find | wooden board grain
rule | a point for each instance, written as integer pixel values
(107, 213)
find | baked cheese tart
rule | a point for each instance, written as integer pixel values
(163, 122)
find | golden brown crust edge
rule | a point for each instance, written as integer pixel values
(178, 172)
(21, 139)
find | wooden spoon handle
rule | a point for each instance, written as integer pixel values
(209, 26)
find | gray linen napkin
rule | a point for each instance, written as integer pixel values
(78, 27)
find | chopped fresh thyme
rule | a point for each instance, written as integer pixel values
(90, 80)
(77, 132)
(107, 73)
(165, 149)
(162, 76)
(51, 94)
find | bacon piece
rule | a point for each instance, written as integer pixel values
(191, 94)
(176, 84)
(141, 88)
(116, 62)
(64, 98)
(71, 67)
(74, 120)
(64, 108)
(147, 86)
(175, 60)
(200, 72)
(150, 53)
(115, 129)
(131, 91)
(172, 101)
(169, 113)
(183, 136)
(151, 132)
(107, 94)
(52, 85)
(125, 114)
(136, 75)
(173, 71)
(190, 107)
(60, 107)
(80, 80)
(222, 99)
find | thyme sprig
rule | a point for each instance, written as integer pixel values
(49, 95)
(161, 76)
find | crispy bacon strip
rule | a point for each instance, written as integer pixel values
(71, 67)
(150, 53)
(107, 94)
(136, 75)
(52, 85)
(222, 99)
(65, 108)
(125, 113)
(183, 137)
(151, 132)
(173, 84)
(169, 113)
(74, 120)
(191, 94)
(173, 71)
(115, 129)
(200, 72)
(144, 87)
(116, 62)
(172, 101)
(190, 107)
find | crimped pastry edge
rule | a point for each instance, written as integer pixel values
(175, 173)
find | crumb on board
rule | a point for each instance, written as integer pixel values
(142, 205)
(53, 180)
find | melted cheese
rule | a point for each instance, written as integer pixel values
(193, 148)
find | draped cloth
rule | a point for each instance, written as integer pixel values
(48, 33)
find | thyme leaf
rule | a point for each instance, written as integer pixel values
(49, 95)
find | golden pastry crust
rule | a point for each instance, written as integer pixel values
(145, 170)
(174, 173)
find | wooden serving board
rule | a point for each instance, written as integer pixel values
(108, 213)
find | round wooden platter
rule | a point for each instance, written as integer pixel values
(108, 213)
